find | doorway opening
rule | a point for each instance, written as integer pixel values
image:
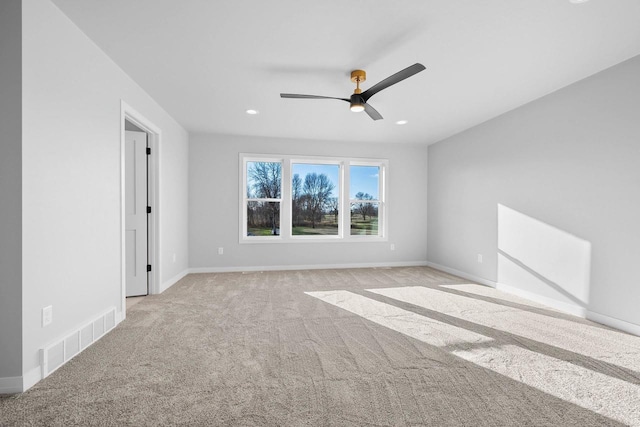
(139, 144)
(137, 210)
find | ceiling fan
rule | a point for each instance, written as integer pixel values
(359, 99)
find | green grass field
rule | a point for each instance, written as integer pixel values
(364, 228)
(327, 227)
(260, 232)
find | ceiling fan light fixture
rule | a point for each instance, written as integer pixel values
(357, 103)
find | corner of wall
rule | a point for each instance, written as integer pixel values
(11, 210)
(175, 279)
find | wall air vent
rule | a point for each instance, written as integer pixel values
(64, 349)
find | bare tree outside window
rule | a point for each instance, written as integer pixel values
(318, 189)
(334, 205)
(296, 202)
(264, 191)
(365, 202)
(265, 180)
(364, 208)
(314, 198)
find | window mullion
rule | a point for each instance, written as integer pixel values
(285, 206)
(345, 213)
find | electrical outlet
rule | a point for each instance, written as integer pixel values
(47, 315)
(220, 251)
(393, 247)
(480, 258)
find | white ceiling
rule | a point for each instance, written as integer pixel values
(206, 62)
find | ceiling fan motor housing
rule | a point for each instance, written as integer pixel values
(356, 98)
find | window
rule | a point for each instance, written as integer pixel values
(263, 198)
(364, 199)
(291, 199)
(315, 199)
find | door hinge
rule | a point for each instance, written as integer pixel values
(148, 267)
(148, 150)
(148, 209)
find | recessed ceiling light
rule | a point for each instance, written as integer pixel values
(252, 112)
(402, 122)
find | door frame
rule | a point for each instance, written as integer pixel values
(128, 113)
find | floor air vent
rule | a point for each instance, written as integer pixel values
(60, 352)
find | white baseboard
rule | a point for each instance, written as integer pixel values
(175, 279)
(622, 325)
(238, 269)
(462, 274)
(98, 328)
(564, 307)
(549, 302)
(573, 309)
(119, 317)
(11, 385)
(31, 378)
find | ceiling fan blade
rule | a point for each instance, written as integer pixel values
(297, 96)
(372, 112)
(391, 80)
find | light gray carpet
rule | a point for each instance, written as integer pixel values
(254, 349)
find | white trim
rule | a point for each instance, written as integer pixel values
(259, 240)
(564, 307)
(462, 274)
(14, 385)
(622, 325)
(175, 279)
(573, 309)
(119, 317)
(244, 159)
(154, 133)
(31, 378)
(11, 385)
(238, 269)
(549, 302)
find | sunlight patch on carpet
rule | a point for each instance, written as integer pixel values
(591, 341)
(595, 391)
(605, 395)
(427, 330)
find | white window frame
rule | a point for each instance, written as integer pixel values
(344, 202)
(245, 200)
(318, 161)
(382, 205)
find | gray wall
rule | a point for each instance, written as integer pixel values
(214, 200)
(10, 188)
(71, 223)
(548, 193)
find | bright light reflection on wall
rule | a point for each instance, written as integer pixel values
(541, 259)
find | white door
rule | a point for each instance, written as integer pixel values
(136, 212)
